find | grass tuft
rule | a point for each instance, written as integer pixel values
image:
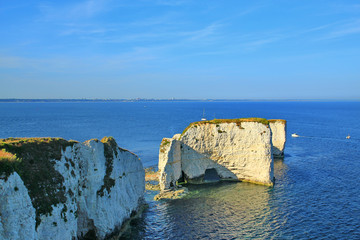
(163, 145)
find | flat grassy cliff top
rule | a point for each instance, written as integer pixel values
(110, 141)
(21, 141)
(238, 122)
(277, 120)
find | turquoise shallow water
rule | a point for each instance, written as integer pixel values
(316, 195)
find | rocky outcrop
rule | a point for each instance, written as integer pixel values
(234, 149)
(169, 162)
(57, 189)
(278, 130)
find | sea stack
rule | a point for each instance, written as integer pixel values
(51, 188)
(237, 149)
(278, 139)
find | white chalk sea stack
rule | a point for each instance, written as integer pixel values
(58, 189)
(278, 130)
(237, 149)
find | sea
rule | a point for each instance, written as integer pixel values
(317, 190)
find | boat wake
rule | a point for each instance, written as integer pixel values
(346, 139)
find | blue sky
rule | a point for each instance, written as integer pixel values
(232, 49)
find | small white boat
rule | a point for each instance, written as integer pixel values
(348, 137)
(294, 135)
(203, 118)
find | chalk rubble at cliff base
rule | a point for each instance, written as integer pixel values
(57, 189)
(236, 149)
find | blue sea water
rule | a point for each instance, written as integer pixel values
(316, 195)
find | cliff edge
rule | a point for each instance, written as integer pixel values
(51, 188)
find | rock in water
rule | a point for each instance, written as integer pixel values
(169, 162)
(278, 130)
(237, 149)
(57, 189)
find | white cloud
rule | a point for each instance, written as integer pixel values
(201, 33)
(92, 30)
(171, 2)
(261, 42)
(345, 30)
(85, 9)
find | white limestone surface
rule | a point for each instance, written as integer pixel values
(17, 216)
(169, 162)
(278, 129)
(238, 149)
(106, 213)
(235, 151)
(102, 188)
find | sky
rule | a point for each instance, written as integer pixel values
(203, 49)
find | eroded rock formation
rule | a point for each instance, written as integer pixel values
(57, 189)
(278, 130)
(237, 149)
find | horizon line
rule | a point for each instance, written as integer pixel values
(173, 99)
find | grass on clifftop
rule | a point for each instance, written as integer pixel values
(32, 159)
(8, 163)
(277, 120)
(6, 156)
(238, 122)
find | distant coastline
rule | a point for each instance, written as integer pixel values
(59, 100)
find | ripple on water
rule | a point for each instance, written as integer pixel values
(213, 211)
(300, 206)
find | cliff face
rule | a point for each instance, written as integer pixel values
(55, 189)
(16, 211)
(237, 149)
(169, 162)
(278, 129)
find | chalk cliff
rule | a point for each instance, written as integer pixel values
(237, 149)
(57, 189)
(278, 130)
(169, 162)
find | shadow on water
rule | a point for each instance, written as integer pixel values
(218, 210)
(211, 211)
(280, 168)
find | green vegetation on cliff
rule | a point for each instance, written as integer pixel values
(277, 120)
(8, 163)
(33, 159)
(110, 149)
(163, 144)
(237, 121)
